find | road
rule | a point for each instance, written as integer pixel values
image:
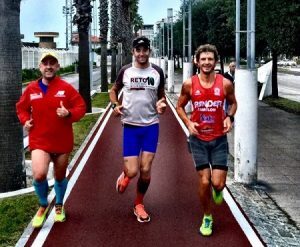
(73, 79)
(289, 86)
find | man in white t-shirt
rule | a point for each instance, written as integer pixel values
(142, 102)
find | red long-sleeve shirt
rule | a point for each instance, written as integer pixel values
(50, 132)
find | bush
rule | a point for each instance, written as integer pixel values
(30, 74)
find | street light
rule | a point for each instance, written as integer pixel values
(170, 33)
(68, 11)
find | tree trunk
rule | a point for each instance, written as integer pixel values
(104, 81)
(127, 33)
(119, 57)
(222, 63)
(84, 69)
(83, 19)
(12, 173)
(113, 70)
(274, 75)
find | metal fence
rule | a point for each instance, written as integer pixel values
(31, 56)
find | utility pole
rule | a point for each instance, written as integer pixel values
(170, 51)
(162, 60)
(187, 33)
(68, 11)
(237, 33)
(187, 44)
(245, 133)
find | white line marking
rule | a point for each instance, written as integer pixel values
(238, 215)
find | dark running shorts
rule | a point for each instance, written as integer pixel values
(137, 139)
(209, 153)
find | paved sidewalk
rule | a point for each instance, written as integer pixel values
(273, 204)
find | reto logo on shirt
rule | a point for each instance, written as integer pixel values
(141, 82)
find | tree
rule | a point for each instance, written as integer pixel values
(115, 36)
(12, 175)
(137, 23)
(126, 35)
(219, 32)
(103, 34)
(280, 33)
(83, 19)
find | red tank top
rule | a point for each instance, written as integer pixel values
(208, 109)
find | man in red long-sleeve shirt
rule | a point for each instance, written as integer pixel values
(47, 109)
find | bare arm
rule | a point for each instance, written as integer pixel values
(230, 98)
(113, 96)
(185, 96)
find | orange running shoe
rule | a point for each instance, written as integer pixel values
(122, 183)
(140, 213)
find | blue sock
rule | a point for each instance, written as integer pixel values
(60, 190)
(41, 189)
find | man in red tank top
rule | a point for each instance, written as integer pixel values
(208, 126)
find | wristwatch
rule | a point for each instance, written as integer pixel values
(114, 105)
(231, 117)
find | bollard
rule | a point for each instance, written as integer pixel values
(171, 76)
(187, 73)
(163, 65)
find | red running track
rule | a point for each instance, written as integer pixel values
(98, 216)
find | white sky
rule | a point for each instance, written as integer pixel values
(47, 16)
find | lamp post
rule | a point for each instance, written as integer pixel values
(66, 12)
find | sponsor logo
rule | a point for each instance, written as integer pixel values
(60, 94)
(197, 93)
(140, 83)
(34, 96)
(217, 91)
(208, 103)
(207, 118)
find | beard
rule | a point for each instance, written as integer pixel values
(207, 72)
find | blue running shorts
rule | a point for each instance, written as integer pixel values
(137, 139)
(209, 153)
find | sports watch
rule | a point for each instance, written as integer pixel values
(231, 117)
(114, 105)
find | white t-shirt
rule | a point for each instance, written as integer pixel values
(140, 93)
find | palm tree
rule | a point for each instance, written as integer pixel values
(129, 7)
(83, 18)
(103, 34)
(115, 36)
(12, 174)
(126, 38)
(137, 23)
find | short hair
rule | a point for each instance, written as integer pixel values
(206, 48)
(231, 63)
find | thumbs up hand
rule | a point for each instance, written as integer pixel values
(62, 111)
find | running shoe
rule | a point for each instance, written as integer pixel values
(40, 217)
(217, 196)
(60, 214)
(122, 183)
(206, 227)
(140, 213)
